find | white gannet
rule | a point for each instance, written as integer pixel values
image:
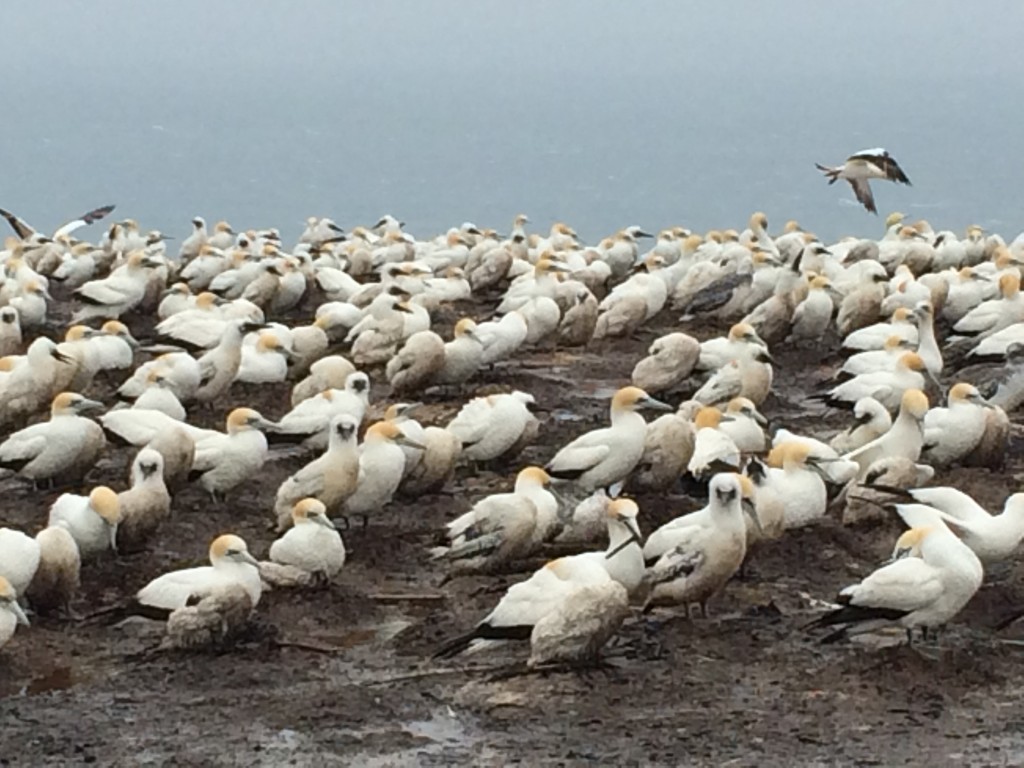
(145, 505)
(874, 360)
(605, 456)
(904, 438)
(502, 338)
(463, 355)
(526, 603)
(58, 576)
(122, 291)
(902, 324)
(219, 366)
(813, 315)
(381, 463)
(489, 427)
(230, 563)
(19, 558)
(29, 382)
(934, 576)
(91, 520)
(225, 460)
(180, 371)
(745, 425)
(670, 360)
(703, 557)
(794, 475)
(887, 387)
(951, 433)
(330, 479)
(64, 447)
(863, 166)
(312, 545)
(265, 362)
(11, 614)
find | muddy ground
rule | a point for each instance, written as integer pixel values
(343, 676)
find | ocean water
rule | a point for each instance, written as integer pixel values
(601, 114)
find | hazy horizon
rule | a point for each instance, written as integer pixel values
(599, 114)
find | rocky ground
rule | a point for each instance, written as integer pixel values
(343, 676)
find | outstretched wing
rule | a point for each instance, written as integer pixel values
(84, 220)
(862, 190)
(884, 162)
(21, 229)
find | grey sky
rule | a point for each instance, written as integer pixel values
(602, 114)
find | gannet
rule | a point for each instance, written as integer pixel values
(197, 239)
(527, 602)
(10, 332)
(91, 520)
(793, 474)
(670, 360)
(934, 576)
(19, 558)
(177, 448)
(871, 420)
(713, 450)
(860, 168)
(26, 231)
(224, 461)
(330, 479)
(265, 362)
(64, 447)
(502, 338)
(230, 563)
(874, 360)
(887, 387)
(436, 464)
(995, 314)
(490, 427)
(953, 432)
(579, 320)
(31, 380)
(381, 463)
(668, 448)
(927, 346)
(312, 545)
(57, 578)
(326, 373)
(308, 421)
(812, 316)
(416, 363)
(159, 396)
(219, 366)
(180, 371)
(903, 324)
(145, 505)
(866, 504)
(30, 304)
(463, 355)
(745, 425)
(11, 614)
(904, 438)
(117, 294)
(704, 557)
(575, 631)
(605, 456)
(720, 351)
(501, 528)
(862, 304)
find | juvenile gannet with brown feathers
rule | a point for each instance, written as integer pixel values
(58, 576)
(10, 332)
(670, 360)
(330, 479)
(145, 505)
(605, 456)
(668, 448)
(863, 166)
(91, 520)
(418, 362)
(64, 447)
